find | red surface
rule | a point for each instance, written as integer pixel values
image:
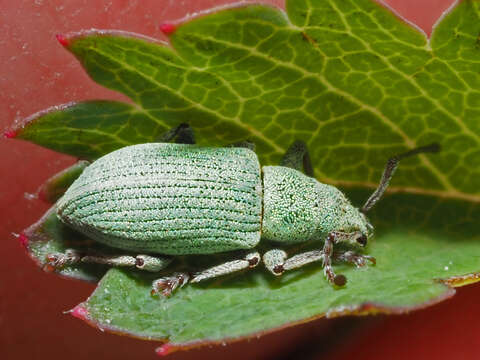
(449, 330)
(36, 72)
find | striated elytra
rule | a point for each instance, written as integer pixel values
(171, 199)
(177, 199)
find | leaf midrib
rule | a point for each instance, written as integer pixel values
(319, 77)
(199, 106)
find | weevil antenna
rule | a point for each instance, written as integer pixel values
(389, 170)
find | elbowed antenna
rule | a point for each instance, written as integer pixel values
(390, 168)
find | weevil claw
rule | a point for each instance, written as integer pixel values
(161, 286)
(167, 285)
(356, 259)
(371, 259)
(56, 261)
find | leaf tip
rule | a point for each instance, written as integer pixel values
(22, 239)
(10, 134)
(462, 280)
(165, 349)
(42, 194)
(168, 28)
(63, 40)
(80, 312)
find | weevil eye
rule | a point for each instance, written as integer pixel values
(362, 240)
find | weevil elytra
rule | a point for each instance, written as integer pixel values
(179, 199)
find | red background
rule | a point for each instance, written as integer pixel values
(36, 72)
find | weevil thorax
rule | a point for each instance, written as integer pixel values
(298, 208)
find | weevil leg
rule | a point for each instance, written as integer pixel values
(276, 260)
(55, 261)
(302, 259)
(248, 262)
(183, 134)
(298, 157)
(244, 144)
(351, 257)
(167, 285)
(338, 280)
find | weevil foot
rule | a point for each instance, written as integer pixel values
(167, 285)
(56, 261)
(358, 260)
(334, 279)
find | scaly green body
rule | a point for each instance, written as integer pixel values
(183, 199)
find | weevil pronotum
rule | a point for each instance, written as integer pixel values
(179, 199)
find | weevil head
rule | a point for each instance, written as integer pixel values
(355, 223)
(352, 226)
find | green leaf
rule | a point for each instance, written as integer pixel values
(420, 240)
(89, 129)
(56, 186)
(348, 78)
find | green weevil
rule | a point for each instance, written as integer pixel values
(180, 199)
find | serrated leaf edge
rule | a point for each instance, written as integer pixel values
(363, 309)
